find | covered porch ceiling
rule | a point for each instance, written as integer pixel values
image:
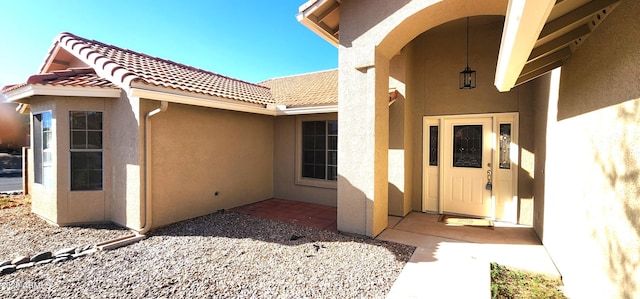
(535, 39)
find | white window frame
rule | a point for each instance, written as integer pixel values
(46, 154)
(72, 150)
(299, 179)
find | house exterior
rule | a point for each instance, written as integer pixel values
(545, 138)
(143, 142)
(556, 102)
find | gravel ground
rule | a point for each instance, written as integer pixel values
(215, 256)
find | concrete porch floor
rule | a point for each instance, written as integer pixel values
(451, 261)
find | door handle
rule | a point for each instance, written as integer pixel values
(489, 186)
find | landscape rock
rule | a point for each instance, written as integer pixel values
(41, 256)
(61, 259)
(25, 265)
(7, 269)
(68, 250)
(20, 260)
(42, 262)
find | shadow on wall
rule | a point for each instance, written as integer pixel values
(622, 172)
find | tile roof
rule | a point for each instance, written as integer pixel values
(312, 89)
(125, 67)
(76, 77)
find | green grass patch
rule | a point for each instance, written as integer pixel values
(511, 283)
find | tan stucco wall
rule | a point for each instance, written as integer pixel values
(284, 165)
(437, 57)
(592, 186)
(197, 152)
(125, 131)
(58, 204)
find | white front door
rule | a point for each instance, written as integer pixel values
(467, 166)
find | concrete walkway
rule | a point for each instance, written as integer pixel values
(453, 261)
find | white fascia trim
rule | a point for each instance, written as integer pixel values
(303, 17)
(523, 23)
(306, 110)
(210, 102)
(42, 90)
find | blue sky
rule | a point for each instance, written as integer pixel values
(251, 40)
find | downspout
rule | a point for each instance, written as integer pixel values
(147, 203)
(147, 200)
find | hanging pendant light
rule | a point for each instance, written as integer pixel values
(467, 76)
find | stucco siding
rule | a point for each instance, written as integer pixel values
(198, 152)
(592, 187)
(80, 206)
(436, 58)
(58, 203)
(284, 166)
(124, 114)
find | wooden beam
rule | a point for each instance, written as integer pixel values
(539, 72)
(559, 42)
(544, 61)
(328, 11)
(575, 16)
(524, 21)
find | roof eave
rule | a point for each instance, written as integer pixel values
(306, 11)
(523, 23)
(200, 100)
(283, 110)
(19, 95)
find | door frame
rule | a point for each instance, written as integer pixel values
(509, 201)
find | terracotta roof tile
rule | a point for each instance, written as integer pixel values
(76, 77)
(126, 66)
(312, 89)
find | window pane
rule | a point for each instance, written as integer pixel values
(78, 139)
(94, 180)
(320, 143)
(320, 128)
(319, 157)
(333, 158)
(46, 157)
(46, 121)
(308, 142)
(467, 146)
(319, 171)
(94, 139)
(433, 145)
(333, 173)
(308, 128)
(307, 157)
(78, 120)
(307, 170)
(46, 140)
(333, 143)
(37, 148)
(86, 170)
(505, 145)
(94, 120)
(332, 127)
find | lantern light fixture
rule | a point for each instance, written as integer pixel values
(467, 78)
